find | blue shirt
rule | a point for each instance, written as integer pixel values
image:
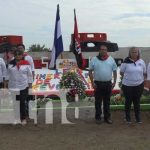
(102, 68)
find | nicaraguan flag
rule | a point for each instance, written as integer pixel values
(58, 43)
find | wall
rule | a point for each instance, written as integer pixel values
(122, 53)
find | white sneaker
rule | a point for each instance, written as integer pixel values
(24, 122)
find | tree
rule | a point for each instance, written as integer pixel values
(38, 48)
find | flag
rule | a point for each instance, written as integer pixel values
(58, 43)
(77, 47)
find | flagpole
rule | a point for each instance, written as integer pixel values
(58, 42)
(74, 12)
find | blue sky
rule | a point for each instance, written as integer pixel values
(126, 22)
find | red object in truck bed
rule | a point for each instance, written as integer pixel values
(93, 37)
(11, 39)
(38, 64)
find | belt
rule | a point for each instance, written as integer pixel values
(102, 81)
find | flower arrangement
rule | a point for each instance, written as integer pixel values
(71, 80)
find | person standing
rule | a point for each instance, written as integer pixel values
(21, 47)
(3, 72)
(19, 79)
(101, 69)
(133, 72)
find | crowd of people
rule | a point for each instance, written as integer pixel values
(17, 74)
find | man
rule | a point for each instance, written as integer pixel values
(101, 68)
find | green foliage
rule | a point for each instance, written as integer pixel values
(71, 80)
(118, 99)
(37, 48)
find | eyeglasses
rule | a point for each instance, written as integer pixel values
(134, 52)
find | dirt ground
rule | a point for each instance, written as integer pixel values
(84, 134)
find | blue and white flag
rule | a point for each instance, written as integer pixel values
(58, 43)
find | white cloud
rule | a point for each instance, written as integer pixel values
(35, 20)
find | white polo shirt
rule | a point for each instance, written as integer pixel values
(3, 70)
(133, 72)
(19, 78)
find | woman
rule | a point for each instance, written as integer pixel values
(133, 71)
(20, 79)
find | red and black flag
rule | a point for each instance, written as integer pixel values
(81, 62)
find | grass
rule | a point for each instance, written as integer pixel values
(144, 107)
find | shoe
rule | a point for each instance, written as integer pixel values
(24, 122)
(139, 121)
(108, 121)
(28, 119)
(129, 122)
(98, 121)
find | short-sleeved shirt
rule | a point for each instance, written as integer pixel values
(30, 60)
(133, 72)
(148, 72)
(19, 78)
(3, 70)
(102, 68)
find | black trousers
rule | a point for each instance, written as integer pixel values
(1, 85)
(102, 93)
(132, 94)
(23, 103)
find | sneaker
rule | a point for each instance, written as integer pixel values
(108, 121)
(28, 119)
(139, 121)
(24, 122)
(129, 122)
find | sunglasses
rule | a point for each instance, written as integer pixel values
(18, 54)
